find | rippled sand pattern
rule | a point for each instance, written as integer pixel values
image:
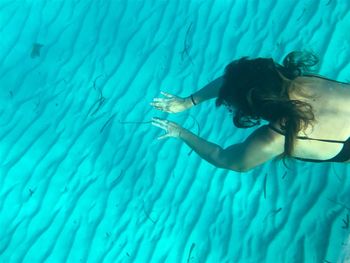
(80, 181)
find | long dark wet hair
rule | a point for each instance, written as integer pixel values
(253, 89)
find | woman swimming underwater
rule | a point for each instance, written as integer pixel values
(308, 115)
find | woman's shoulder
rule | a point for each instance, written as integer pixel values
(318, 89)
(319, 81)
(321, 77)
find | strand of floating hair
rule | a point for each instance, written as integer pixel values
(106, 123)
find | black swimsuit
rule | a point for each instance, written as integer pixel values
(342, 156)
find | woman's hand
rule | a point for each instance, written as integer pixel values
(172, 103)
(172, 129)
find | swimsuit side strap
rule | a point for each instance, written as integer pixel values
(304, 137)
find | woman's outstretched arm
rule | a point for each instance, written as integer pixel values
(261, 146)
(174, 104)
(208, 92)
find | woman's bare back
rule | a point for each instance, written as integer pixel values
(329, 100)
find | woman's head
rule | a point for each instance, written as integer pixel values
(247, 85)
(255, 89)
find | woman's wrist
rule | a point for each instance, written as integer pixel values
(191, 101)
(181, 131)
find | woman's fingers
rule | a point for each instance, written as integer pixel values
(154, 104)
(166, 94)
(163, 136)
(158, 99)
(165, 109)
(158, 103)
(160, 123)
(162, 101)
(168, 104)
(171, 128)
(161, 106)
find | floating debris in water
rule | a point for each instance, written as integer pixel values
(345, 253)
(265, 182)
(190, 253)
(185, 51)
(346, 222)
(284, 175)
(36, 48)
(272, 213)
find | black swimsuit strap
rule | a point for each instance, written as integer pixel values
(303, 137)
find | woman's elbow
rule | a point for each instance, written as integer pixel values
(224, 160)
(241, 169)
(235, 167)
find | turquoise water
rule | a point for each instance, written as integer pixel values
(82, 176)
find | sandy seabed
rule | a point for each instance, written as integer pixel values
(82, 176)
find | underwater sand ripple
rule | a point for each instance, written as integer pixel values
(79, 184)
